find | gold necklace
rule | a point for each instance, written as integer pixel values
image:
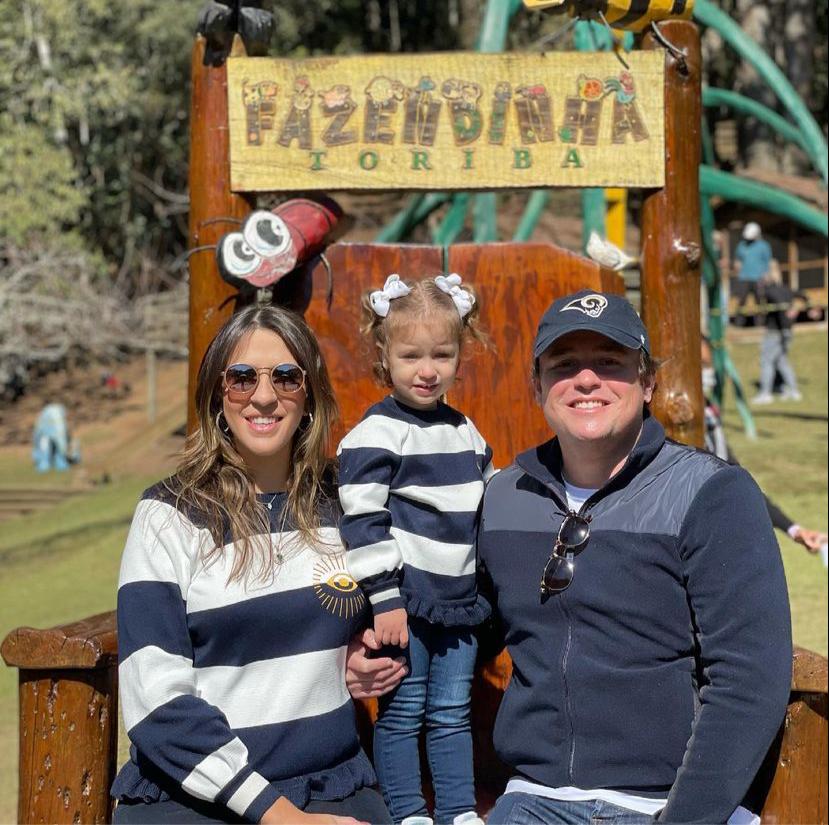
(279, 558)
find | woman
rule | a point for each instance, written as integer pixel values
(235, 608)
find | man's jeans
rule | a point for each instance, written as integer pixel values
(436, 692)
(774, 357)
(528, 809)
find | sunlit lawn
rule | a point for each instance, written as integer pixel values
(789, 460)
(56, 567)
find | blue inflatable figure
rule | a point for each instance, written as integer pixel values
(51, 448)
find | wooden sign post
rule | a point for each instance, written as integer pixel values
(214, 209)
(671, 244)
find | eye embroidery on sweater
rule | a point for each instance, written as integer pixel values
(337, 591)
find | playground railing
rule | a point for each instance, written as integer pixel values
(68, 686)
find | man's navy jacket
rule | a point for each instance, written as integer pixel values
(664, 669)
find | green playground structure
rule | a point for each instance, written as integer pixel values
(800, 128)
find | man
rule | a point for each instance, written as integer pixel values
(777, 339)
(752, 260)
(641, 595)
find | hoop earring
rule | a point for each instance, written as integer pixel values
(226, 429)
(310, 417)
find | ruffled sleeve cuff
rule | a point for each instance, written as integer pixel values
(250, 794)
(449, 614)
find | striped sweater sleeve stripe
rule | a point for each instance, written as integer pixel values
(438, 557)
(422, 518)
(156, 674)
(399, 438)
(369, 457)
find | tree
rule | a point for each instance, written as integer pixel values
(793, 34)
(101, 89)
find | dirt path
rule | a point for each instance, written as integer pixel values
(116, 436)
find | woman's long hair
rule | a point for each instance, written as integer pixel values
(213, 480)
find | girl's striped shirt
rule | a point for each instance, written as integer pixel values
(411, 483)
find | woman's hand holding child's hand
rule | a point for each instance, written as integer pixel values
(366, 677)
(392, 628)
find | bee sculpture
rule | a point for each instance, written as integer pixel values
(629, 15)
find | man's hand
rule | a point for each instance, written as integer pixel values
(366, 677)
(392, 628)
(283, 812)
(810, 539)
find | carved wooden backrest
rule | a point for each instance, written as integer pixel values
(514, 282)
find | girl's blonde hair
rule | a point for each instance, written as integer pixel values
(426, 303)
(213, 480)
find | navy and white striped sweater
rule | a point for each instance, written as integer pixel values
(411, 483)
(236, 693)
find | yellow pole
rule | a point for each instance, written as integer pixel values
(616, 216)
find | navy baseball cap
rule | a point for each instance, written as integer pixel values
(608, 315)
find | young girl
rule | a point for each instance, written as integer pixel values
(412, 474)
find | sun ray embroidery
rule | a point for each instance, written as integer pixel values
(338, 593)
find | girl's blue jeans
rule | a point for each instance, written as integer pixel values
(434, 694)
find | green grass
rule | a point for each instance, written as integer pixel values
(57, 566)
(789, 460)
(61, 565)
(18, 471)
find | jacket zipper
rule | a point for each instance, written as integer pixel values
(564, 659)
(567, 703)
(586, 506)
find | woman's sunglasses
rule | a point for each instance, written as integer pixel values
(241, 380)
(560, 568)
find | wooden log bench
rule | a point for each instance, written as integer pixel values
(69, 729)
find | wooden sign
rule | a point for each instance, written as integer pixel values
(446, 121)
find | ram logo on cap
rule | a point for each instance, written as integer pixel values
(592, 305)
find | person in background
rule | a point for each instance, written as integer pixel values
(781, 312)
(715, 442)
(53, 448)
(752, 260)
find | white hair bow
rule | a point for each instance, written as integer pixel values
(451, 285)
(381, 298)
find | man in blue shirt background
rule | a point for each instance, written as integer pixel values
(752, 260)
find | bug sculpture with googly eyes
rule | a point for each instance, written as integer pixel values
(273, 243)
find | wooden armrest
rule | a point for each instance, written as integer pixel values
(88, 644)
(809, 672)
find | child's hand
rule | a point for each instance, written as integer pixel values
(365, 677)
(392, 628)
